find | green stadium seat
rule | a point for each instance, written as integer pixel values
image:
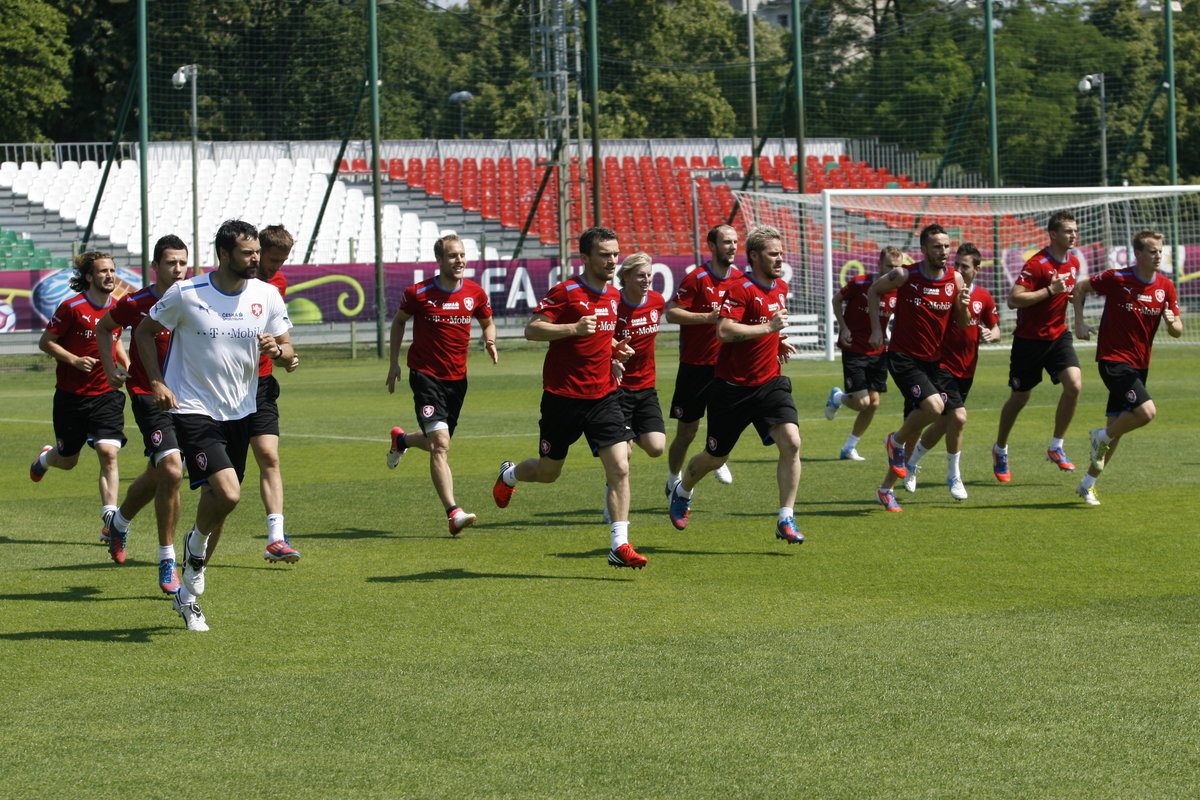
(40, 262)
(732, 162)
(7, 237)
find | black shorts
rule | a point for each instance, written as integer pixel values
(691, 391)
(864, 373)
(731, 408)
(916, 379)
(1126, 386)
(954, 389)
(436, 400)
(641, 411)
(265, 419)
(565, 419)
(156, 425)
(210, 446)
(81, 418)
(1029, 357)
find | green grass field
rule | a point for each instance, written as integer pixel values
(1020, 644)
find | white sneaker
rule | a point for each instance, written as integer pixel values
(1099, 449)
(850, 454)
(831, 405)
(460, 521)
(193, 569)
(957, 490)
(1088, 494)
(910, 478)
(193, 617)
(723, 474)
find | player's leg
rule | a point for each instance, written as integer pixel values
(685, 434)
(1071, 380)
(787, 474)
(1008, 416)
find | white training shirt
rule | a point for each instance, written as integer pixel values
(212, 364)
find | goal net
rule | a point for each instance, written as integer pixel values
(830, 237)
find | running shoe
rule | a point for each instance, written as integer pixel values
(680, 509)
(671, 484)
(1000, 466)
(788, 532)
(626, 556)
(887, 499)
(850, 454)
(1088, 494)
(910, 479)
(459, 521)
(397, 452)
(1059, 458)
(831, 405)
(36, 470)
(192, 616)
(957, 490)
(723, 474)
(281, 551)
(501, 492)
(1099, 449)
(116, 543)
(896, 456)
(193, 568)
(168, 577)
(106, 518)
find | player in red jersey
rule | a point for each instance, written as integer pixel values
(1042, 341)
(864, 369)
(639, 315)
(749, 385)
(160, 480)
(578, 318)
(1136, 300)
(960, 356)
(442, 308)
(695, 308)
(926, 297)
(86, 408)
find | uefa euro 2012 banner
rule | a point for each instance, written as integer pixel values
(329, 293)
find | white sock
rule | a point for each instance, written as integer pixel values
(274, 528)
(838, 397)
(620, 534)
(952, 468)
(104, 509)
(509, 476)
(1104, 437)
(852, 441)
(185, 596)
(119, 522)
(785, 513)
(194, 539)
(1088, 481)
(682, 492)
(1056, 444)
(917, 454)
(42, 458)
(998, 449)
(674, 477)
(166, 552)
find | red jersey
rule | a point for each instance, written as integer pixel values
(858, 318)
(923, 308)
(755, 361)
(960, 348)
(442, 326)
(640, 325)
(701, 291)
(1132, 312)
(279, 282)
(1048, 319)
(74, 327)
(580, 366)
(128, 312)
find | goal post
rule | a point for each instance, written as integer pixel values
(837, 234)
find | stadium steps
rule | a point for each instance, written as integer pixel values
(50, 231)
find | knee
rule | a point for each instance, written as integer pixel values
(871, 402)
(960, 416)
(170, 472)
(1147, 412)
(653, 449)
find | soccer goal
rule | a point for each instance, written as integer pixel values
(833, 236)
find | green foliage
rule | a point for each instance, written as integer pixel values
(34, 64)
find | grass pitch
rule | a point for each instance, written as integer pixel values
(1017, 644)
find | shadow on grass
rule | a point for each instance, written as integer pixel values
(106, 564)
(648, 550)
(350, 533)
(126, 636)
(55, 542)
(456, 574)
(75, 594)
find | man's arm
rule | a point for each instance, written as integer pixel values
(143, 337)
(1082, 288)
(890, 281)
(845, 337)
(398, 324)
(681, 316)
(49, 345)
(730, 330)
(1024, 297)
(541, 329)
(962, 303)
(488, 327)
(115, 375)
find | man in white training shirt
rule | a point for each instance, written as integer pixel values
(220, 322)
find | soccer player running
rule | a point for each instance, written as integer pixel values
(220, 322)
(639, 315)
(960, 357)
(1041, 341)
(442, 307)
(578, 318)
(864, 369)
(86, 409)
(696, 308)
(1136, 300)
(926, 297)
(159, 482)
(749, 385)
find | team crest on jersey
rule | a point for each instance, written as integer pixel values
(256, 309)
(949, 290)
(613, 303)
(156, 438)
(468, 303)
(202, 460)
(426, 411)
(654, 316)
(891, 302)
(1160, 295)
(977, 307)
(545, 446)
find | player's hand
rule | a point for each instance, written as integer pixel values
(116, 379)
(1057, 286)
(393, 375)
(876, 340)
(786, 350)
(964, 296)
(1084, 332)
(622, 350)
(490, 347)
(712, 317)
(1169, 316)
(291, 365)
(267, 345)
(618, 371)
(985, 334)
(778, 321)
(845, 337)
(164, 398)
(586, 326)
(85, 363)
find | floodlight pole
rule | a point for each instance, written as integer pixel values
(144, 135)
(753, 90)
(1172, 153)
(190, 73)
